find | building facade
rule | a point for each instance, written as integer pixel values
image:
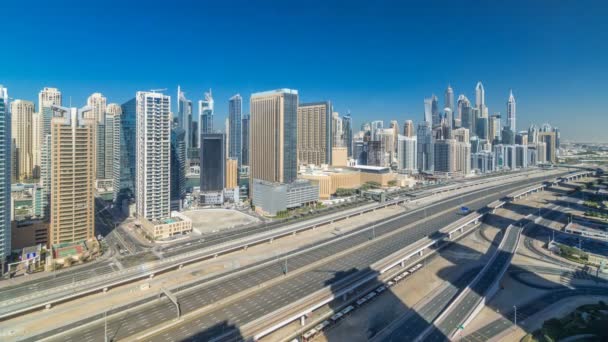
(178, 167)
(5, 175)
(315, 133)
(273, 136)
(213, 162)
(72, 217)
(21, 126)
(235, 112)
(205, 114)
(153, 155)
(245, 140)
(407, 154)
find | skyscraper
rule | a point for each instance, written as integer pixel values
(184, 116)
(480, 97)
(47, 98)
(407, 154)
(5, 175)
(153, 155)
(213, 162)
(205, 112)
(315, 139)
(347, 127)
(73, 175)
(98, 103)
(425, 148)
(376, 127)
(394, 125)
(178, 167)
(273, 136)
(449, 98)
(245, 140)
(408, 128)
(449, 117)
(494, 130)
(511, 112)
(21, 126)
(235, 111)
(128, 153)
(112, 147)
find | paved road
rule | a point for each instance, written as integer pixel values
(273, 297)
(459, 313)
(49, 288)
(524, 311)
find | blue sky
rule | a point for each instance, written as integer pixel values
(378, 59)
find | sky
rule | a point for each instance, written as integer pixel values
(376, 59)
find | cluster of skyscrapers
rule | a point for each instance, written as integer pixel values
(457, 140)
(141, 154)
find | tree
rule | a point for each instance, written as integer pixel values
(392, 182)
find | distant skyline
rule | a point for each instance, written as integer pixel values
(377, 59)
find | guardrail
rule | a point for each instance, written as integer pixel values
(150, 269)
(318, 300)
(328, 294)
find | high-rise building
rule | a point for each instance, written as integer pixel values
(213, 162)
(21, 126)
(482, 127)
(511, 112)
(128, 153)
(347, 127)
(465, 112)
(407, 154)
(153, 156)
(205, 114)
(360, 152)
(231, 173)
(336, 130)
(521, 138)
(235, 112)
(98, 104)
(507, 136)
(5, 175)
(72, 214)
(449, 117)
(387, 143)
(431, 111)
(315, 140)
(394, 125)
(494, 132)
(178, 167)
(376, 155)
(480, 97)
(47, 98)
(549, 139)
(461, 135)
(425, 148)
(408, 128)
(184, 116)
(245, 139)
(444, 154)
(376, 127)
(449, 98)
(273, 136)
(112, 147)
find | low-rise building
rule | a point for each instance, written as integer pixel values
(270, 198)
(177, 224)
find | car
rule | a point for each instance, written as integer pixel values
(336, 317)
(361, 301)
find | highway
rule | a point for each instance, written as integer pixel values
(303, 282)
(14, 299)
(478, 290)
(524, 311)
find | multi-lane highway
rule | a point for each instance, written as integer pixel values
(305, 279)
(96, 277)
(457, 314)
